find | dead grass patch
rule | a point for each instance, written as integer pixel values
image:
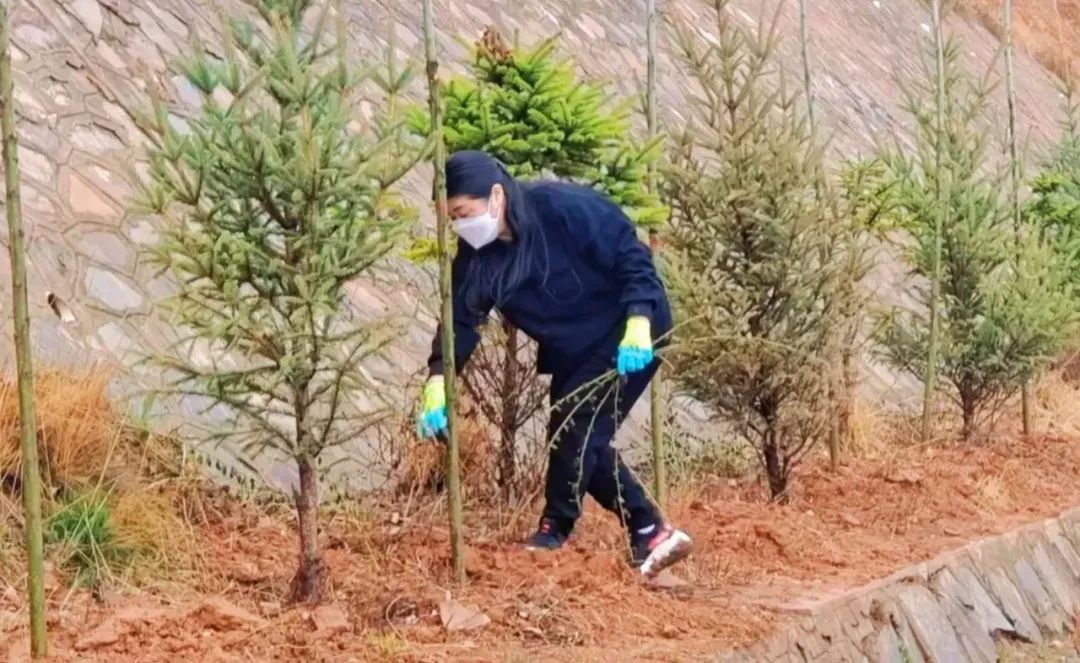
(76, 430)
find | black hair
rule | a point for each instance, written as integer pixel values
(498, 269)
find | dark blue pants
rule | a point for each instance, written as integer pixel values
(585, 413)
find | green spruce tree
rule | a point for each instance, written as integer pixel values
(1054, 206)
(272, 198)
(756, 252)
(1004, 308)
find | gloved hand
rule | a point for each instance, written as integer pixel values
(433, 421)
(636, 349)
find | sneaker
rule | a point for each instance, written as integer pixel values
(549, 536)
(659, 550)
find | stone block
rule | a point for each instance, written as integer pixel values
(959, 604)
(888, 648)
(908, 642)
(856, 627)
(986, 609)
(930, 624)
(778, 645)
(1056, 577)
(1012, 604)
(113, 291)
(811, 645)
(1045, 610)
(1066, 550)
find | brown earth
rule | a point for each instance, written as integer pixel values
(1048, 29)
(390, 573)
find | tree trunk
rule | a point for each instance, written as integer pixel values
(31, 479)
(511, 398)
(835, 400)
(847, 398)
(774, 467)
(967, 410)
(307, 585)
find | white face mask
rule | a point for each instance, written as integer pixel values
(478, 231)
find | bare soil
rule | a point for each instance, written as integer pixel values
(389, 565)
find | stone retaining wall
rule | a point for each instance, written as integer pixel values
(1023, 585)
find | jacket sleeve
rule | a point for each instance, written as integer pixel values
(609, 238)
(466, 336)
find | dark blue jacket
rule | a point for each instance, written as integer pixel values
(590, 273)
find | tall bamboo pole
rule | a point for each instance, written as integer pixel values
(453, 458)
(939, 222)
(656, 396)
(804, 37)
(31, 480)
(1014, 171)
(833, 377)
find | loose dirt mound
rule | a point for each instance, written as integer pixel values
(390, 573)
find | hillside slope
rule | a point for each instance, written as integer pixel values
(83, 68)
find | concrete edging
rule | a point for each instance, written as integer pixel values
(1023, 585)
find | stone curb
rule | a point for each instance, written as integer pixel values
(1023, 585)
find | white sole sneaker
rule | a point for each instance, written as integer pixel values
(675, 548)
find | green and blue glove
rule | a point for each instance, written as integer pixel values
(433, 421)
(636, 348)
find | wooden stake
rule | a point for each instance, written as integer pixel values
(1014, 172)
(656, 396)
(31, 478)
(453, 458)
(939, 223)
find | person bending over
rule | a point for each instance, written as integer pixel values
(562, 263)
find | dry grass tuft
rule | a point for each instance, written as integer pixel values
(1055, 409)
(77, 427)
(877, 433)
(149, 501)
(423, 466)
(147, 522)
(992, 494)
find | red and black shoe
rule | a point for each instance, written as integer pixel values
(549, 536)
(659, 549)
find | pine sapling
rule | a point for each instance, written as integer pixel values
(272, 198)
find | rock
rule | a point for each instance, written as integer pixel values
(888, 647)
(904, 477)
(247, 573)
(458, 617)
(105, 634)
(1046, 612)
(667, 580)
(218, 614)
(85, 200)
(330, 620)
(112, 290)
(190, 95)
(1023, 624)
(1056, 576)
(930, 624)
(1067, 552)
(973, 633)
(89, 14)
(986, 610)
